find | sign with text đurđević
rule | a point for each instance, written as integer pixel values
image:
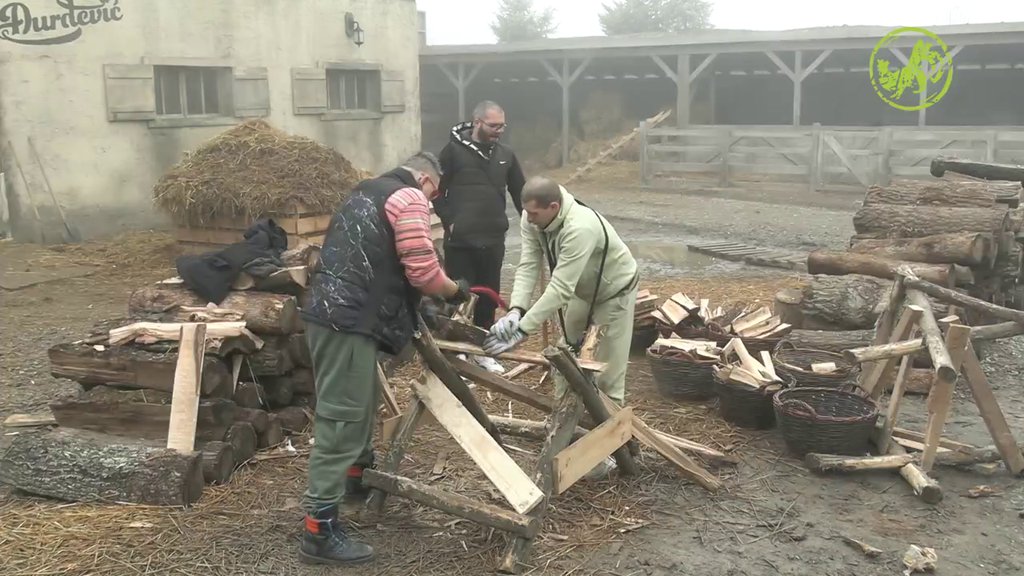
(61, 25)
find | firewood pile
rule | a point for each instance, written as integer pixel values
(254, 384)
(683, 316)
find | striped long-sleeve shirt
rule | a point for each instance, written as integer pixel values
(409, 214)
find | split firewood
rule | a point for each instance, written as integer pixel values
(866, 549)
(824, 368)
(150, 332)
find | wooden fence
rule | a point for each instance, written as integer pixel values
(819, 157)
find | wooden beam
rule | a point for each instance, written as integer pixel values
(782, 65)
(937, 349)
(664, 67)
(456, 504)
(797, 78)
(181, 431)
(700, 67)
(991, 413)
(683, 80)
(971, 303)
(488, 455)
(924, 487)
(501, 385)
(831, 463)
(940, 398)
(893, 409)
(516, 356)
(814, 65)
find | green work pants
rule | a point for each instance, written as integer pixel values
(345, 371)
(613, 348)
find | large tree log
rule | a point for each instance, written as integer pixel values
(298, 350)
(130, 367)
(293, 419)
(930, 194)
(918, 221)
(218, 462)
(843, 263)
(264, 312)
(273, 435)
(281, 389)
(139, 420)
(250, 395)
(830, 340)
(271, 360)
(243, 440)
(954, 297)
(83, 466)
(983, 170)
(966, 248)
(850, 302)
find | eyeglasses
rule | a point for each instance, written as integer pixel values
(499, 126)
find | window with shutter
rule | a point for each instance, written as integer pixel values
(251, 92)
(192, 91)
(129, 91)
(309, 90)
(392, 90)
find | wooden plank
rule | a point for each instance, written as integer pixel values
(501, 385)
(181, 430)
(583, 455)
(991, 413)
(385, 389)
(522, 494)
(940, 399)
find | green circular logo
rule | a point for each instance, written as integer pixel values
(928, 69)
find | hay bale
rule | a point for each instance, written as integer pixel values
(255, 170)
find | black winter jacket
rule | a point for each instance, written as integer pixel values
(359, 285)
(472, 203)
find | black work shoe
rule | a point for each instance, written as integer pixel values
(324, 541)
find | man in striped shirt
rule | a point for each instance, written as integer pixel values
(376, 262)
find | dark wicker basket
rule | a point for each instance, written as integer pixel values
(753, 345)
(825, 420)
(747, 407)
(796, 362)
(643, 338)
(682, 379)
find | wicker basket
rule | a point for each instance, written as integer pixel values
(796, 362)
(680, 378)
(825, 420)
(643, 338)
(744, 406)
(753, 345)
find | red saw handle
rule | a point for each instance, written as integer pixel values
(489, 293)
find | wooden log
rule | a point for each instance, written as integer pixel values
(218, 462)
(438, 364)
(250, 395)
(822, 463)
(455, 504)
(948, 352)
(298, 350)
(829, 340)
(932, 336)
(983, 170)
(259, 419)
(923, 486)
(918, 383)
(83, 466)
(991, 413)
(969, 302)
(279, 389)
(965, 248)
(851, 302)
(843, 263)
(562, 360)
(140, 420)
(930, 194)
(130, 367)
(273, 435)
(531, 429)
(918, 221)
(243, 440)
(271, 360)
(302, 381)
(293, 419)
(501, 385)
(263, 312)
(884, 351)
(112, 395)
(515, 356)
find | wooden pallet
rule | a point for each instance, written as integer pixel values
(753, 255)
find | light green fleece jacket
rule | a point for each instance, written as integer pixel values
(577, 242)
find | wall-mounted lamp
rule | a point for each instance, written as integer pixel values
(353, 29)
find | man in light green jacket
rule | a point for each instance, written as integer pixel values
(594, 281)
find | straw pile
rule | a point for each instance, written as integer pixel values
(253, 170)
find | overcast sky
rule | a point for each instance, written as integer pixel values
(465, 22)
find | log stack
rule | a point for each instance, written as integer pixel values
(255, 385)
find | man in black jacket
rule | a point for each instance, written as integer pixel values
(375, 262)
(478, 169)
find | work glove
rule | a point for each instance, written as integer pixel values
(494, 345)
(462, 294)
(506, 326)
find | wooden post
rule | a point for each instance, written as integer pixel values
(797, 84)
(461, 82)
(181, 430)
(813, 166)
(683, 82)
(375, 499)
(993, 416)
(645, 178)
(940, 398)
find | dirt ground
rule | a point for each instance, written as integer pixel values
(772, 517)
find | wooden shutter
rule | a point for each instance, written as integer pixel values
(251, 92)
(309, 90)
(131, 92)
(392, 91)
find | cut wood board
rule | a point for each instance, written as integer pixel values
(583, 455)
(753, 255)
(514, 484)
